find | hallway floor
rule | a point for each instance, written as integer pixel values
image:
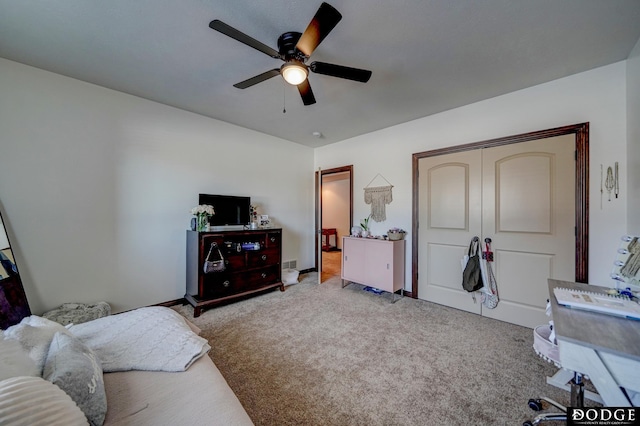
(331, 264)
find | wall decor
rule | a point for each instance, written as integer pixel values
(378, 197)
(611, 182)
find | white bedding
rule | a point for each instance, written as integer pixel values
(199, 396)
(151, 339)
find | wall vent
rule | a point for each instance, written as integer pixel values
(289, 264)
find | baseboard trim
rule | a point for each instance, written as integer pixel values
(170, 303)
(183, 301)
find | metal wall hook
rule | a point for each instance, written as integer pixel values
(474, 239)
(487, 240)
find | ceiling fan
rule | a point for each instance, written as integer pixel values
(295, 49)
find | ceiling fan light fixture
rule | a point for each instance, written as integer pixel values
(294, 72)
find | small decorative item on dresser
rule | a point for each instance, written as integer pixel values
(253, 214)
(364, 224)
(202, 214)
(265, 222)
(396, 234)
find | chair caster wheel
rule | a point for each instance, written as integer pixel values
(535, 404)
(527, 423)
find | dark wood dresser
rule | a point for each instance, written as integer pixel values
(252, 261)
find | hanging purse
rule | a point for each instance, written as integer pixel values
(213, 265)
(490, 290)
(471, 275)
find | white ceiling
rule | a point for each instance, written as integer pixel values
(426, 56)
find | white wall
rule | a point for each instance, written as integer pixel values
(96, 188)
(596, 96)
(96, 185)
(633, 140)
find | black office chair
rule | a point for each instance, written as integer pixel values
(543, 403)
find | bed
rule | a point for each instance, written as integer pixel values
(148, 376)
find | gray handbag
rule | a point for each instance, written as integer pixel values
(471, 276)
(214, 265)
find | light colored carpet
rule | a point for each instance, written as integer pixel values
(324, 355)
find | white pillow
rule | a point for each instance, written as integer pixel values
(14, 361)
(33, 401)
(74, 368)
(35, 334)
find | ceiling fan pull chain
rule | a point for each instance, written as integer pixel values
(284, 91)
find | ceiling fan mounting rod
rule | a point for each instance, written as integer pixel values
(287, 46)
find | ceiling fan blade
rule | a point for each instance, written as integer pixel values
(243, 38)
(306, 93)
(340, 71)
(257, 79)
(325, 20)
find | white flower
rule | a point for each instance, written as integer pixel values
(203, 209)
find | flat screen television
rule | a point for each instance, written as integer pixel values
(229, 209)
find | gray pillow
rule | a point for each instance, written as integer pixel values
(75, 369)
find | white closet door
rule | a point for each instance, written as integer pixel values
(522, 197)
(529, 213)
(450, 215)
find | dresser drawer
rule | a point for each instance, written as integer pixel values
(263, 258)
(273, 240)
(260, 277)
(235, 262)
(220, 284)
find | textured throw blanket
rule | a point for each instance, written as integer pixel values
(152, 339)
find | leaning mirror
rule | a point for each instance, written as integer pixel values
(13, 301)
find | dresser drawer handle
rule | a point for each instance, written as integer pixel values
(226, 283)
(264, 275)
(264, 257)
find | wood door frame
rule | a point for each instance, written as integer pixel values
(581, 132)
(318, 184)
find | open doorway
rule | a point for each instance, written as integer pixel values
(334, 212)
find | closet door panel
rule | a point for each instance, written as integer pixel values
(448, 196)
(524, 194)
(529, 213)
(450, 215)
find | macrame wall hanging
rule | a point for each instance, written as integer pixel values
(378, 197)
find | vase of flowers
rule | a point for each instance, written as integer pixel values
(202, 214)
(364, 224)
(253, 213)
